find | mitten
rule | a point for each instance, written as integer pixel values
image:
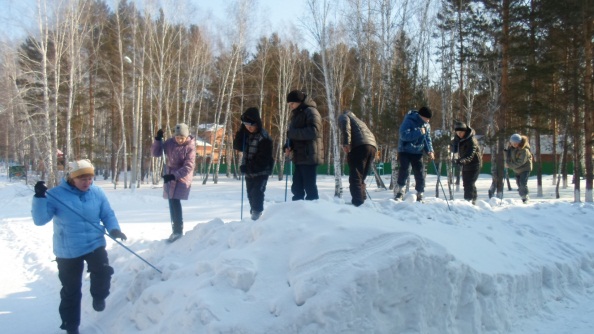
(40, 189)
(159, 136)
(168, 177)
(115, 233)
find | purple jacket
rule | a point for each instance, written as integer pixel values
(180, 162)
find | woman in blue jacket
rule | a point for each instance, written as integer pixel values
(77, 239)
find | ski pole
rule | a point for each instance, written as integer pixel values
(286, 178)
(438, 179)
(243, 158)
(102, 231)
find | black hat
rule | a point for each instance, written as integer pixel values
(251, 115)
(425, 112)
(460, 126)
(296, 96)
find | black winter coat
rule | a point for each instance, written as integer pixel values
(469, 152)
(305, 134)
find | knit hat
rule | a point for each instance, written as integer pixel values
(296, 96)
(182, 130)
(251, 115)
(515, 139)
(80, 167)
(460, 126)
(425, 112)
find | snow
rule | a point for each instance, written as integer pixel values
(317, 267)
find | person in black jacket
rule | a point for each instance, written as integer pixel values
(469, 157)
(304, 143)
(358, 142)
(257, 160)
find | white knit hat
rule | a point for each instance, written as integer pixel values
(515, 139)
(80, 167)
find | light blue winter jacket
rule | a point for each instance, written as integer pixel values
(411, 140)
(73, 235)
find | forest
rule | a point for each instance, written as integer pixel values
(96, 79)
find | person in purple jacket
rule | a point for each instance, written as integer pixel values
(76, 239)
(180, 157)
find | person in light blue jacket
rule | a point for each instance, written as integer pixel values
(414, 140)
(77, 239)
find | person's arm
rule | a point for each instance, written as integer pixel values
(188, 164)
(518, 159)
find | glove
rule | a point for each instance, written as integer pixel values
(115, 233)
(456, 161)
(243, 169)
(168, 177)
(159, 136)
(40, 189)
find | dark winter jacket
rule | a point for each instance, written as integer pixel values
(305, 134)
(469, 152)
(519, 159)
(256, 147)
(180, 161)
(354, 131)
(411, 140)
(73, 235)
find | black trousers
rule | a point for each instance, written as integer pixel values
(177, 220)
(416, 161)
(304, 182)
(70, 273)
(255, 188)
(469, 178)
(360, 159)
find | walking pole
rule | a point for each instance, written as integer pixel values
(168, 184)
(438, 179)
(102, 231)
(286, 177)
(242, 158)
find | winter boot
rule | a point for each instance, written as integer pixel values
(256, 215)
(399, 194)
(525, 199)
(174, 236)
(420, 197)
(98, 304)
(491, 193)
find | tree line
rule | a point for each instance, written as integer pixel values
(97, 80)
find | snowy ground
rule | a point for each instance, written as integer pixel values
(318, 267)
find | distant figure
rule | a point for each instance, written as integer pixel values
(257, 160)
(79, 237)
(469, 157)
(304, 143)
(519, 158)
(180, 153)
(358, 142)
(414, 139)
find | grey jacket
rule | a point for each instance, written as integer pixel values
(354, 131)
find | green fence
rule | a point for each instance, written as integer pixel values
(386, 169)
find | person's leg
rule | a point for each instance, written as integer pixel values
(297, 187)
(404, 164)
(523, 185)
(100, 274)
(356, 159)
(257, 195)
(249, 185)
(177, 220)
(416, 161)
(70, 274)
(475, 177)
(310, 174)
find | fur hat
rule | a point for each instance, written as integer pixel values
(425, 112)
(460, 126)
(80, 167)
(182, 130)
(296, 96)
(515, 139)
